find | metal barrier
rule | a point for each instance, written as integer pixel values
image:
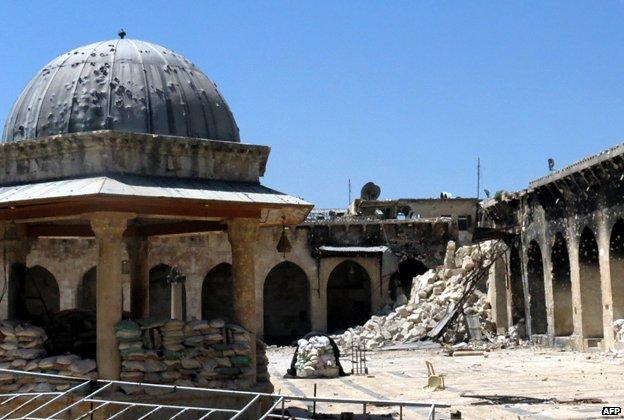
(358, 360)
(95, 396)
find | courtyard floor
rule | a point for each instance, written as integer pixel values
(525, 372)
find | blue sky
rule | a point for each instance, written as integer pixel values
(406, 94)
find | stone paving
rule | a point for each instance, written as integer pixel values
(529, 372)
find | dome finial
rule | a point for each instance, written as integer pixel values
(121, 33)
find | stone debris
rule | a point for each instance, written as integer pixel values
(432, 293)
(316, 358)
(209, 354)
(22, 348)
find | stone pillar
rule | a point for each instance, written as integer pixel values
(325, 269)
(242, 234)
(604, 243)
(508, 289)
(108, 229)
(177, 301)
(318, 313)
(193, 286)
(575, 279)
(525, 287)
(497, 292)
(549, 299)
(14, 246)
(138, 250)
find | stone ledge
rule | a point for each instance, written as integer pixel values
(80, 154)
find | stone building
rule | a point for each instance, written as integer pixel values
(564, 272)
(110, 147)
(112, 198)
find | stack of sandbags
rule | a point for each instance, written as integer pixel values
(130, 341)
(618, 329)
(432, 294)
(173, 339)
(316, 358)
(22, 348)
(20, 343)
(196, 353)
(30, 337)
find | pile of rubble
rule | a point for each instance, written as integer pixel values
(22, 348)
(432, 294)
(208, 354)
(316, 358)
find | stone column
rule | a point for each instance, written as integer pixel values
(324, 269)
(549, 299)
(138, 250)
(193, 287)
(14, 246)
(575, 279)
(177, 301)
(525, 287)
(604, 243)
(497, 292)
(508, 289)
(108, 229)
(242, 234)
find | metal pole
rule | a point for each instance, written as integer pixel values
(400, 412)
(246, 407)
(283, 408)
(364, 408)
(314, 403)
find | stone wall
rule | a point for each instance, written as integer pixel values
(107, 152)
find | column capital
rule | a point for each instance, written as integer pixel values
(242, 230)
(107, 225)
(14, 239)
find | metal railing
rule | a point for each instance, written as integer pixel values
(91, 396)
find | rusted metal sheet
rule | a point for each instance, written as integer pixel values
(123, 85)
(152, 187)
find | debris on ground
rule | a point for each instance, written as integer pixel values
(433, 293)
(315, 358)
(519, 399)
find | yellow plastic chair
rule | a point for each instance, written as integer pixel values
(434, 382)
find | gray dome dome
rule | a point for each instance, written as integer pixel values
(122, 85)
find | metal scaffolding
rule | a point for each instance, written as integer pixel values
(83, 399)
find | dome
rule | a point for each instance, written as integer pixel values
(123, 85)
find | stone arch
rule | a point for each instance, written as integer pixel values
(591, 292)
(286, 303)
(562, 287)
(616, 258)
(401, 281)
(34, 293)
(86, 295)
(160, 291)
(217, 293)
(518, 312)
(537, 294)
(348, 296)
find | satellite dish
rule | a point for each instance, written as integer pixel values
(370, 191)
